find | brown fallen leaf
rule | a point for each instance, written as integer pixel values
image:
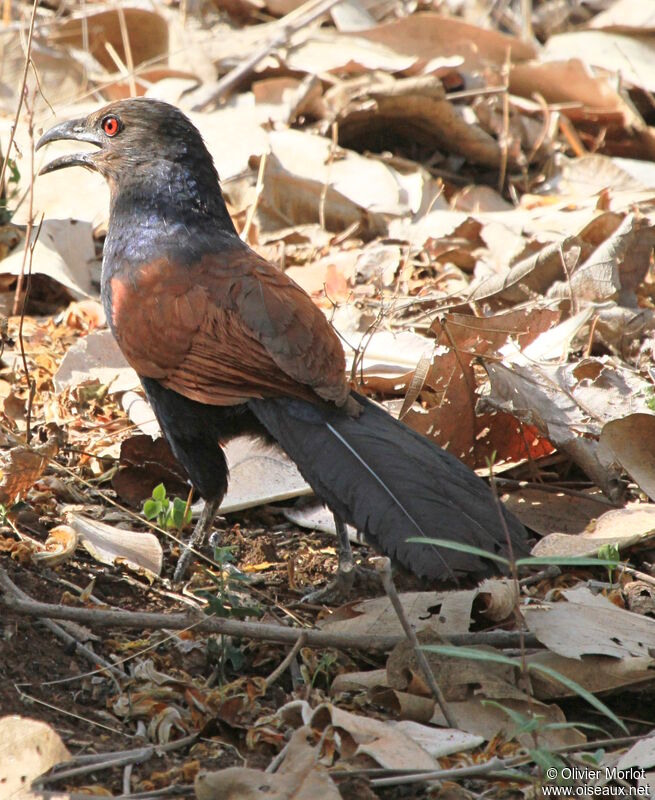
(22, 466)
(145, 463)
(299, 777)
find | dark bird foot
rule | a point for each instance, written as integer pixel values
(197, 539)
(339, 589)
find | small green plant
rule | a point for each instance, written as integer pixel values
(224, 602)
(13, 179)
(324, 667)
(536, 725)
(650, 400)
(610, 552)
(169, 514)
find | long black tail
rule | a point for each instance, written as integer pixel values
(392, 483)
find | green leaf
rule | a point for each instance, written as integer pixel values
(564, 561)
(472, 653)
(579, 690)
(546, 760)
(459, 546)
(524, 723)
(560, 726)
(481, 655)
(151, 509)
(179, 513)
(159, 492)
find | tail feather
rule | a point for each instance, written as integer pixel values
(392, 483)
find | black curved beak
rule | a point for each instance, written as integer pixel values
(75, 130)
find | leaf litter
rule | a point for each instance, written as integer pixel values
(473, 210)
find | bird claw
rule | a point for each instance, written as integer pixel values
(336, 590)
(339, 589)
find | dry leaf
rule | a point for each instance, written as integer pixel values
(22, 466)
(109, 545)
(59, 547)
(28, 748)
(622, 527)
(588, 624)
(627, 441)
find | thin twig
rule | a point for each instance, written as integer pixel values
(101, 761)
(127, 47)
(21, 91)
(259, 188)
(504, 137)
(328, 174)
(249, 630)
(281, 668)
(293, 22)
(383, 568)
(494, 765)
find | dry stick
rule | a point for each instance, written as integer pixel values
(280, 669)
(494, 765)
(21, 92)
(504, 141)
(259, 188)
(127, 47)
(67, 638)
(383, 568)
(328, 173)
(248, 630)
(293, 22)
(99, 761)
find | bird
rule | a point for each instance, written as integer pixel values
(226, 344)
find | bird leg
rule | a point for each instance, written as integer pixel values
(197, 538)
(341, 586)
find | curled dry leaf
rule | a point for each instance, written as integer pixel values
(361, 736)
(459, 678)
(21, 466)
(595, 673)
(530, 276)
(628, 441)
(618, 264)
(59, 547)
(489, 722)
(498, 598)
(427, 33)
(411, 109)
(640, 598)
(449, 392)
(145, 463)
(299, 777)
(109, 545)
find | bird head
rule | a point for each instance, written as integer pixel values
(131, 136)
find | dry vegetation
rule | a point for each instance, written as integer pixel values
(466, 188)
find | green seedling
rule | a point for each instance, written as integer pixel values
(169, 514)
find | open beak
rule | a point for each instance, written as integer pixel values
(75, 130)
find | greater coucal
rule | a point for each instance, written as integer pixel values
(226, 344)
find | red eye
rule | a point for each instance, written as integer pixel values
(110, 126)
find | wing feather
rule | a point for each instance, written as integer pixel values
(223, 331)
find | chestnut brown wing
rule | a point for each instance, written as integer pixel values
(226, 330)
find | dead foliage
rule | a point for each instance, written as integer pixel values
(468, 195)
